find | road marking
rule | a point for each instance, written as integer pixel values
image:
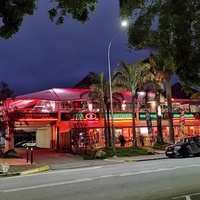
(187, 197)
(46, 185)
(94, 178)
(105, 176)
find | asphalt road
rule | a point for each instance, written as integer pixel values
(165, 179)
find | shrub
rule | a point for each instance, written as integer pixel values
(100, 154)
(126, 151)
(11, 153)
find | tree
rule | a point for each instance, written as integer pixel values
(128, 78)
(166, 77)
(149, 82)
(171, 28)
(78, 9)
(99, 90)
(8, 115)
(12, 13)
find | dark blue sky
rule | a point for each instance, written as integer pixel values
(43, 56)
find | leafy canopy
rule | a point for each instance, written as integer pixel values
(171, 28)
(12, 12)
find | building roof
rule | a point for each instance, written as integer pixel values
(56, 94)
(85, 83)
(179, 93)
(65, 94)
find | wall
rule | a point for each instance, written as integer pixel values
(43, 137)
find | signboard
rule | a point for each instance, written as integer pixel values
(142, 116)
(38, 116)
(79, 116)
(121, 115)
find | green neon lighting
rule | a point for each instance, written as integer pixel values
(78, 116)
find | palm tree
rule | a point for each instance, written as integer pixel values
(166, 77)
(128, 78)
(149, 82)
(100, 90)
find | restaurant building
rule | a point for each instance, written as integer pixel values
(63, 119)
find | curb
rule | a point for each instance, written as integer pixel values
(134, 160)
(35, 170)
(9, 174)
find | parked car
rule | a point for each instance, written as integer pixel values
(20, 144)
(185, 147)
(31, 143)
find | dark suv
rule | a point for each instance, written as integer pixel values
(185, 147)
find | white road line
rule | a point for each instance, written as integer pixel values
(187, 197)
(46, 185)
(105, 176)
(100, 177)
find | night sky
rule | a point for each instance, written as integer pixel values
(43, 55)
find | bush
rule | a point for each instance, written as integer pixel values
(100, 154)
(126, 151)
(11, 153)
(120, 152)
(88, 157)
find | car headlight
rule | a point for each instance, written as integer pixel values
(177, 147)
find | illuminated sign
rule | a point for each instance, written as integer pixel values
(38, 115)
(142, 116)
(186, 115)
(120, 115)
(91, 116)
(123, 115)
(79, 116)
(94, 116)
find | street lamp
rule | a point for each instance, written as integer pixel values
(124, 24)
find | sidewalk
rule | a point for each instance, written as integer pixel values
(54, 160)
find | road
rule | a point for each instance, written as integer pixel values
(166, 179)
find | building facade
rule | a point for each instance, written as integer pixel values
(63, 119)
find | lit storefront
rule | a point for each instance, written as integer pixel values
(61, 120)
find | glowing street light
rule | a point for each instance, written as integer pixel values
(124, 24)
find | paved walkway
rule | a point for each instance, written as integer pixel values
(61, 160)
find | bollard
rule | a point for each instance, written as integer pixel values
(31, 155)
(26, 154)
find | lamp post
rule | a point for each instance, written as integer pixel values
(124, 23)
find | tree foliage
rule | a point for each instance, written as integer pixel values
(78, 9)
(171, 27)
(7, 117)
(12, 12)
(130, 78)
(99, 90)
